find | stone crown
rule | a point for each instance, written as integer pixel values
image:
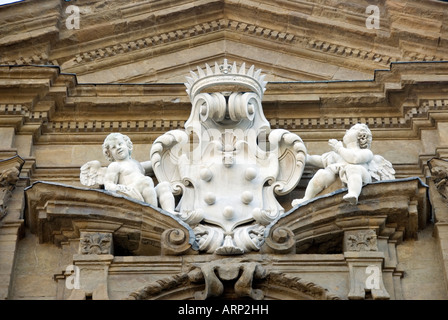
(225, 75)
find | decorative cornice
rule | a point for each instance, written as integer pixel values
(348, 52)
(312, 43)
(62, 95)
(182, 34)
(420, 115)
(298, 284)
(37, 59)
(19, 109)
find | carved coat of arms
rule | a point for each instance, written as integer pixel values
(228, 165)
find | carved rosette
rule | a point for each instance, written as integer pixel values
(96, 243)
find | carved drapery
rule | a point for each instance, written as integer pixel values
(243, 276)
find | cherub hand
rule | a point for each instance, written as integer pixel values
(335, 144)
(122, 188)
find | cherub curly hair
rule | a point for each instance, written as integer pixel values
(114, 136)
(364, 135)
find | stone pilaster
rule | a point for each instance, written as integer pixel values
(89, 272)
(365, 264)
(11, 223)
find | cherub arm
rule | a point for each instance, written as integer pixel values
(111, 178)
(353, 156)
(314, 160)
(147, 166)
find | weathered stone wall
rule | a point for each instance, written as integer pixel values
(423, 269)
(35, 267)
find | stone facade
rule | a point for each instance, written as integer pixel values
(62, 91)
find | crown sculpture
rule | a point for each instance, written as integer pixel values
(221, 164)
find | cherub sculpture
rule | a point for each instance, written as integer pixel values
(354, 163)
(125, 175)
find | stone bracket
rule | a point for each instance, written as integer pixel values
(224, 270)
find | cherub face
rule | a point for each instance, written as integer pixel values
(118, 149)
(360, 134)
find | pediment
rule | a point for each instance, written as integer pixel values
(167, 57)
(58, 213)
(396, 209)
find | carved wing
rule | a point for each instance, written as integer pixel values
(381, 169)
(165, 155)
(92, 173)
(291, 156)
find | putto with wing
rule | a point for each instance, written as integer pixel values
(352, 161)
(125, 175)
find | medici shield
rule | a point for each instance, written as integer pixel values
(228, 164)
